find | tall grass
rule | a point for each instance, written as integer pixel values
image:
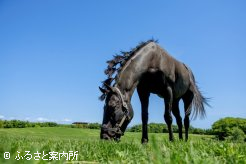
(199, 149)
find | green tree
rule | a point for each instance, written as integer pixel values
(1, 123)
(7, 124)
(237, 135)
(94, 126)
(223, 127)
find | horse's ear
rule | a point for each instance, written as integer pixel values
(103, 90)
(109, 88)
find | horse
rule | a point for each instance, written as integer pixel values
(150, 69)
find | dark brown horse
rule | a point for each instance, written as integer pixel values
(150, 69)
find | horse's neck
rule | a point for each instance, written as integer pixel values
(129, 77)
(127, 84)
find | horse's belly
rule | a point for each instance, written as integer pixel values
(156, 83)
(180, 88)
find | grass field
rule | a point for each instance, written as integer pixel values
(199, 149)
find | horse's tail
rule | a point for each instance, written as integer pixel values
(199, 100)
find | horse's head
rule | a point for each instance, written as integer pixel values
(116, 114)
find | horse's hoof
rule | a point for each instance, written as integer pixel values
(145, 141)
(171, 139)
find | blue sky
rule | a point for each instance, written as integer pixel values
(53, 54)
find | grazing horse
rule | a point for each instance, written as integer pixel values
(150, 69)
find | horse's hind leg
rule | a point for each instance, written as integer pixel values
(144, 98)
(188, 97)
(176, 113)
(168, 109)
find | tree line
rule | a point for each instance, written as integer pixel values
(162, 128)
(27, 124)
(228, 128)
(224, 129)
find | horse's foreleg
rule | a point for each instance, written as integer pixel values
(168, 109)
(145, 124)
(144, 98)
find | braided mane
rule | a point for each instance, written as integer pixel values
(117, 63)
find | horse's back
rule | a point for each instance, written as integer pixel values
(176, 72)
(159, 70)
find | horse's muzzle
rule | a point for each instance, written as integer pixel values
(105, 137)
(110, 133)
(106, 133)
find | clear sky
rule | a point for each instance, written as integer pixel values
(53, 54)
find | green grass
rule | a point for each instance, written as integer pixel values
(199, 149)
